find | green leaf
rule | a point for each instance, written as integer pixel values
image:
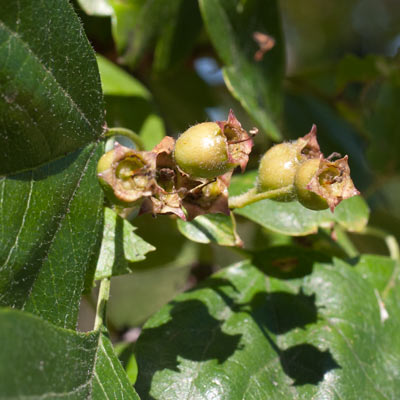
(149, 22)
(51, 219)
(116, 82)
(210, 228)
(292, 218)
(123, 94)
(355, 69)
(40, 360)
(121, 248)
(51, 102)
(125, 17)
(110, 380)
(256, 84)
(291, 324)
(352, 214)
(124, 352)
(99, 8)
(381, 122)
(178, 39)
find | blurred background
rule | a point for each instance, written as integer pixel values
(335, 64)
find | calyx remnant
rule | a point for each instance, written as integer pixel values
(178, 177)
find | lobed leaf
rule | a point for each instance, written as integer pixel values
(289, 324)
(210, 228)
(120, 247)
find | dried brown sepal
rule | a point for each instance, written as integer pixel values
(153, 180)
(131, 174)
(164, 203)
(332, 181)
(208, 198)
(164, 151)
(239, 141)
(308, 145)
(165, 198)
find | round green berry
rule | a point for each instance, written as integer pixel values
(278, 168)
(306, 197)
(202, 151)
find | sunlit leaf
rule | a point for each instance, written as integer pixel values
(129, 104)
(289, 324)
(210, 228)
(120, 247)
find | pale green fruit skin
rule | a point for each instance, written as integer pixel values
(303, 177)
(278, 168)
(105, 161)
(201, 151)
(104, 164)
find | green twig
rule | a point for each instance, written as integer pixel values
(104, 294)
(253, 196)
(127, 133)
(238, 240)
(390, 241)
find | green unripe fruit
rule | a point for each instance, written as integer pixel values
(202, 151)
(121, 179)
(104, 164)
(105, 161)
(304, 174)
(278, 168)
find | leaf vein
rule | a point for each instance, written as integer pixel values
(49, 73)
(14, 246)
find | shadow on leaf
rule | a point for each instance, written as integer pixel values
(287, 262)
(281, 312)
(191, 333)
(306, 364)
